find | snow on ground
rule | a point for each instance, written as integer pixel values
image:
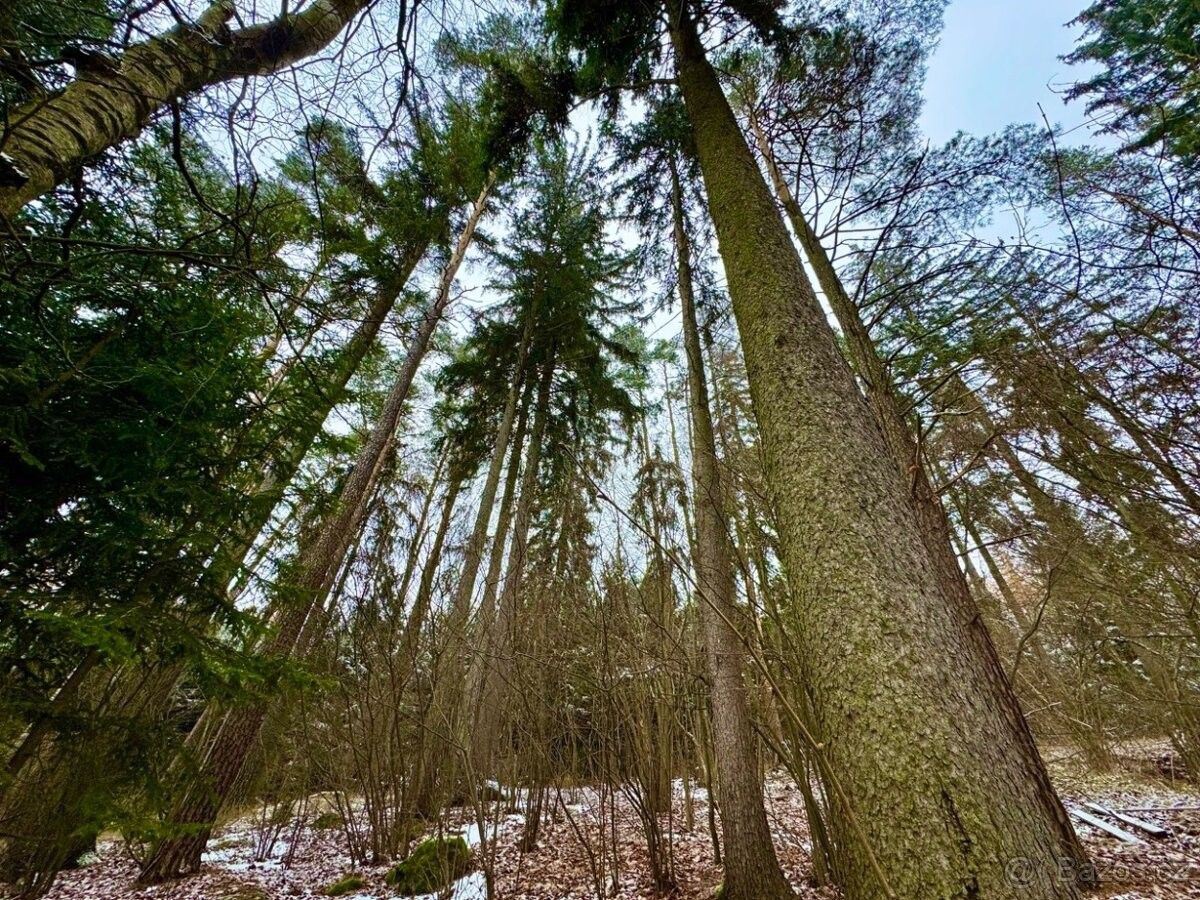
(563, 867)
(1157, 868)
(472, 887)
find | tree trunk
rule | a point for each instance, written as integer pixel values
(277, 474)
(230, 552)
(202, 798)
(419, 529)
(751, 868)
(444, 716)
(491, 583)
(48, 139)
(481, 664)
(497, 669)
(934, 527)
(935, 792)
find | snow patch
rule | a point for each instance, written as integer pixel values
(473, 835)
(469, 887)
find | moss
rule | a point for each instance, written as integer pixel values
(344, 885)
(327, 820)
(719, 893)
(431, 866)
(245, 892)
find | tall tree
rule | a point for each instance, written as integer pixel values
(872, 587)
(751, 869)
(750, 866)
(202, 796)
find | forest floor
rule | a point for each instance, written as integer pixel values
(304, 860)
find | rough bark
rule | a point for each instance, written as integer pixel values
(751, 868)
(913, 724)
(885, 406)
(50, 138)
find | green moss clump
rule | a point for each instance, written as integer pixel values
(245, 892)
(344, 885)
(433, 864)
(327, 820)
(719, 893)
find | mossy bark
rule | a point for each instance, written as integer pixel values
(50, 138)
(928, 775)
(751, 869)
(885, 406)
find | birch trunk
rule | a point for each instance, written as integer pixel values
(48, 139)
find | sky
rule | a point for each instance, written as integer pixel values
(997, 59)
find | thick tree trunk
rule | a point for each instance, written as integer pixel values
(49, 139)
(751, 869)
(203, 795)
(935, 792)
(884, 402)
(225, 739)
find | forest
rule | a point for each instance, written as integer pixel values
(567, 449)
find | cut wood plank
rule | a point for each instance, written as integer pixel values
(1149, 827)
(1119, 833)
